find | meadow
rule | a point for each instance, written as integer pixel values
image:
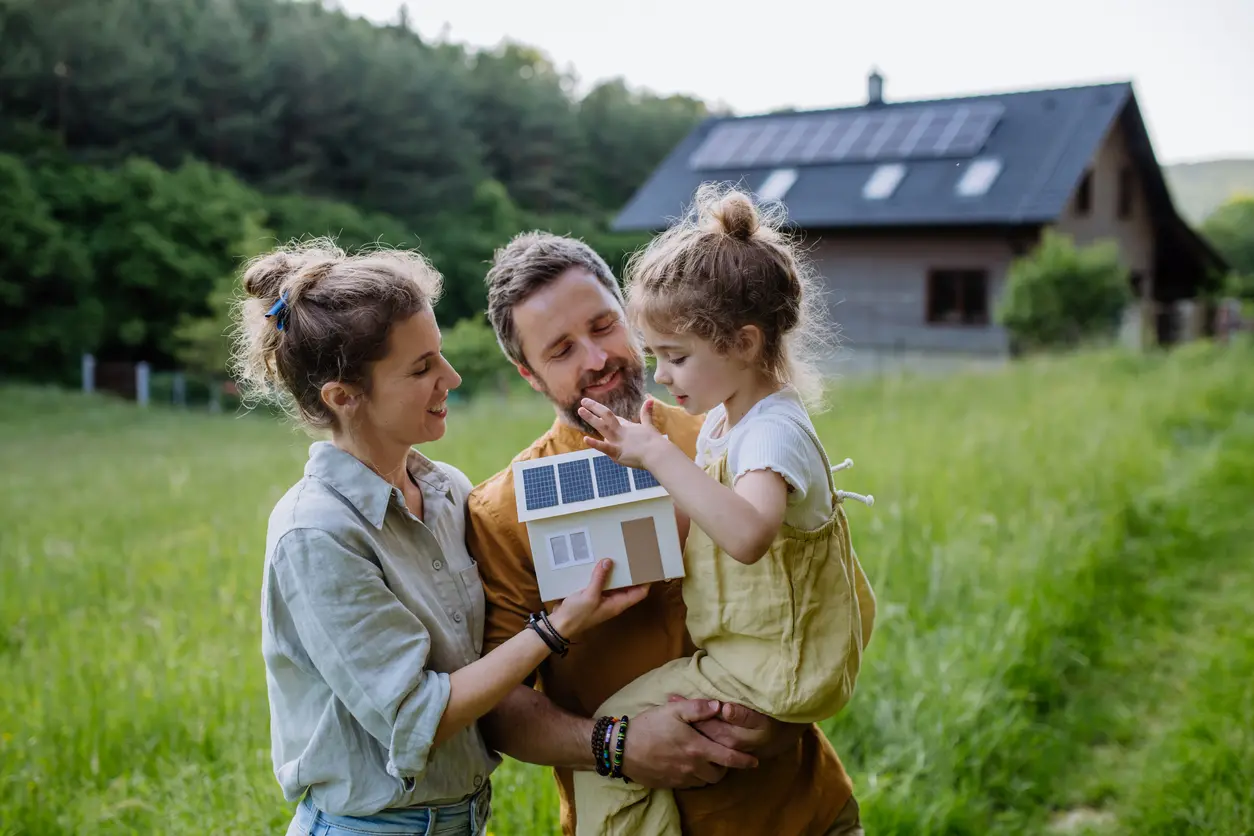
(1063, 552)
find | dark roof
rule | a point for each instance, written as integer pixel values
(1044, 140)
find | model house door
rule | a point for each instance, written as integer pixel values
(644, 558)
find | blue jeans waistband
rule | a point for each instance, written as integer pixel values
(467, 817)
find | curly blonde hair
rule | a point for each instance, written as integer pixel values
(726, 265)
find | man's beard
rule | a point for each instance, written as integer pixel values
(624, 401)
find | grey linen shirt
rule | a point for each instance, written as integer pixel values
(365, 611)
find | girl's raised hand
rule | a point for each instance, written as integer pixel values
(623, 441)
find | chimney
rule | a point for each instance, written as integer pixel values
(875, 88)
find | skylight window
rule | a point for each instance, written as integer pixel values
(979, 177)
(883, 181)
(777, 184)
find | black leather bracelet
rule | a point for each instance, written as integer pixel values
(551, 637)
(549, 642)
(565, 642)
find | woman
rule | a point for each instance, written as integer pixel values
(372, 610)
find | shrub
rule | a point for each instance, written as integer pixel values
(471, 347)
(1231, 229)
(1060, 296)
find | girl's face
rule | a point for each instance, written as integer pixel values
(408, 400)
(693, 371)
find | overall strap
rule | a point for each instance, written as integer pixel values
(837, 495)
(808, 430)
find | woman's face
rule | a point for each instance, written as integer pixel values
(408, 400)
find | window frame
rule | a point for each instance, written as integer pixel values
(962, 276)
(1125, 203)
(1084, 195)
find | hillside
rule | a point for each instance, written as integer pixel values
(1200, 188)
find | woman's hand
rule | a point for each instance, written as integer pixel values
(623, 441)
(591, 605)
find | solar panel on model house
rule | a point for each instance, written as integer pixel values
(541, 482)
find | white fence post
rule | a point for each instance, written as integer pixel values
(180, 389)
(89, 374)
(142, 374)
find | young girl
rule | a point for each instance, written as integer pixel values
(372, 610)
(777, 601)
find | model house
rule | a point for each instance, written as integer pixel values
(913, 211)
(581, 507)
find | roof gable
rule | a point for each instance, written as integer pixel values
(1033, 148)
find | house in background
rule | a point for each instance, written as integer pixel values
(583, 506)
(912, 212)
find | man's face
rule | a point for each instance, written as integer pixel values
(575, 338)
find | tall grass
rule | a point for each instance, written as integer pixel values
(1048, 546)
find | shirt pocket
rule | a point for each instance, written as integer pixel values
(472, 589)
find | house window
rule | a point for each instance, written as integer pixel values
(1084, 195)
(1127, 182)
(883, 181)
(957, 297)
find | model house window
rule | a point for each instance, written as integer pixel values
(957, 297)
(1127, 182)
(1084, 195)
(570, 549)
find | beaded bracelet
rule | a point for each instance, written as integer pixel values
(606, 753)
(600, 744)
(617, 771)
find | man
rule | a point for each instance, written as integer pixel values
(558, 315)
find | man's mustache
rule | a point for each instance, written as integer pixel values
(610, 368)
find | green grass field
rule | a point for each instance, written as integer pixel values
(1063, 554)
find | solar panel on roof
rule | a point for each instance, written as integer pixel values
(576, 479)
(540, 487)
(644, 479)
(898, 133)
(612, 478)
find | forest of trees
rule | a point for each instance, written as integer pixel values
(146, 146)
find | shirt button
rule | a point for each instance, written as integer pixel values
(437, 565)
(478, 781)
(457, 617)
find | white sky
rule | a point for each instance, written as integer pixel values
(1192, 63)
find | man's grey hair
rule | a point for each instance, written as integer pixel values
(527, 263)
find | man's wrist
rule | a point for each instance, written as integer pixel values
(582, 748)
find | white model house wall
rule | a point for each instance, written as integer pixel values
(641, 537)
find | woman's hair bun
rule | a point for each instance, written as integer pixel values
(264, 277)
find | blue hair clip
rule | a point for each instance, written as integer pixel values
(278, 311)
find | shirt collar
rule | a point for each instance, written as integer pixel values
(564, 435)
(366, 490)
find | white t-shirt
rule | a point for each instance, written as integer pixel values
(768, 438)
